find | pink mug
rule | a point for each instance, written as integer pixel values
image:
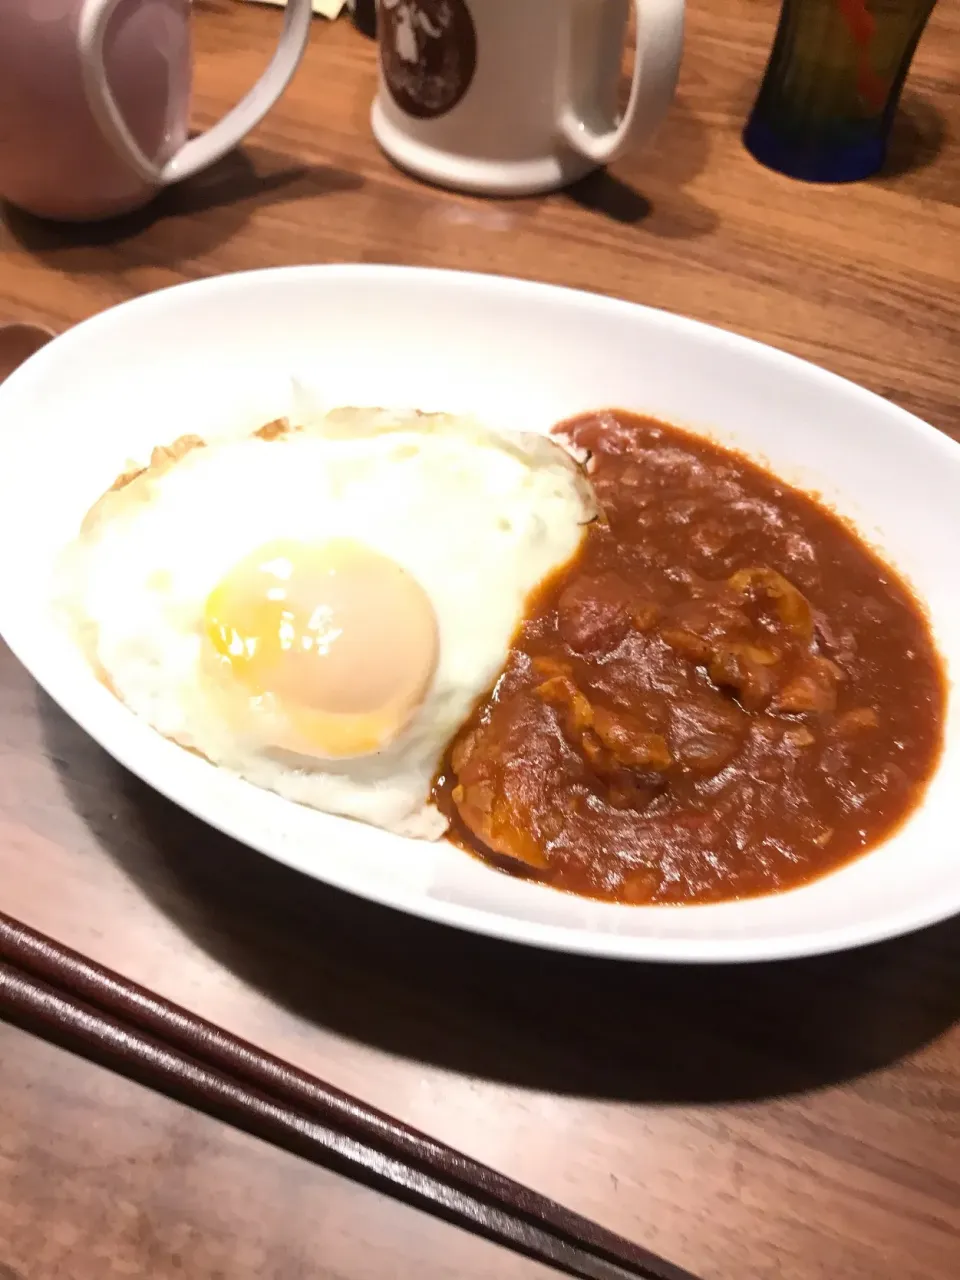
(95, 99)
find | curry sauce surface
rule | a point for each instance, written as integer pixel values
(725, 694)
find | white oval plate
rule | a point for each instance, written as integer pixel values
(219, 354)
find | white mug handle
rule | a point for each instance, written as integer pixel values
(655, 70)
(201, 151)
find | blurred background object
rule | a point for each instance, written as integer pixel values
(832, 86)
(365, 16)
(324, 8)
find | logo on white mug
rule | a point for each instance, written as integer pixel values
(428, 52)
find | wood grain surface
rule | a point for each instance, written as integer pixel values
(795, 1120)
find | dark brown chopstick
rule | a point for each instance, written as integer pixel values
(50, 989)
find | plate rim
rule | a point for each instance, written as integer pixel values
(480, 921)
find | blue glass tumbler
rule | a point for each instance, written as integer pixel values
(832, 85)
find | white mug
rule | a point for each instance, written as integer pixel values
(514, 97)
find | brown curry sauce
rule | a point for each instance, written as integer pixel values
(724, 694)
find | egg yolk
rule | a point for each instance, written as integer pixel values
(338, 639)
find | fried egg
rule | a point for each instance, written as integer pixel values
(319, 609)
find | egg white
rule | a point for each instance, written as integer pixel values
(478, 518)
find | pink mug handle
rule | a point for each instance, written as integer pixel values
(201, 151)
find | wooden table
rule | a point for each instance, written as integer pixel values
(794, 1121)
